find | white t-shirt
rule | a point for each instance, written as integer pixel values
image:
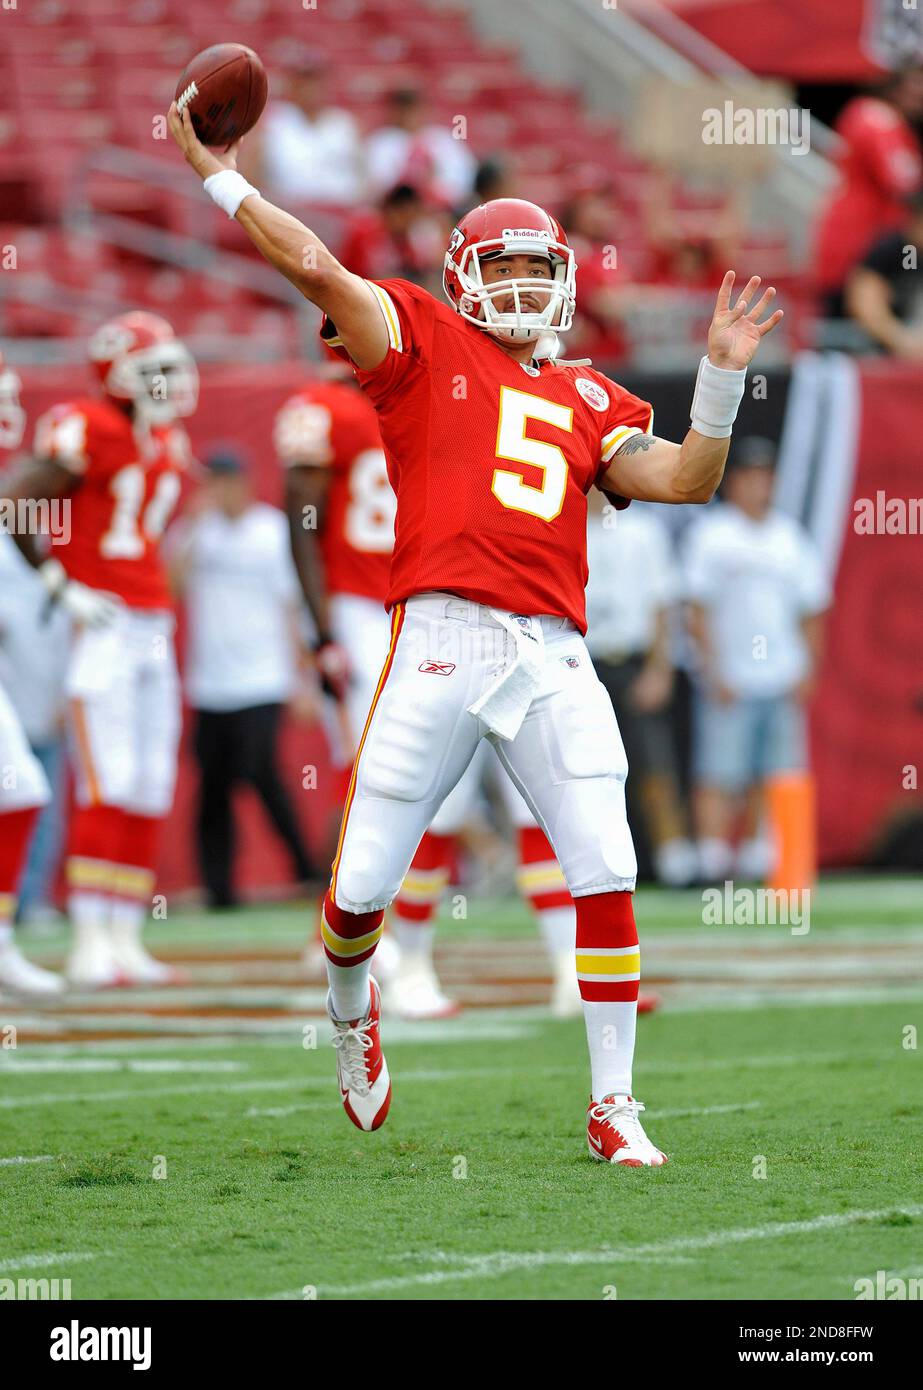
(241, 593)
(319, 161)
(756, 580)
(632, 577)
(431, 156)
(34, 646)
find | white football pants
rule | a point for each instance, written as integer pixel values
(362, 627)
(567, 760)
(124, 708)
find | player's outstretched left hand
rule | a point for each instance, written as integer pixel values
(735, 333)
(202, 159)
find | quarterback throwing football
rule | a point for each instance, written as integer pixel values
(492, 445)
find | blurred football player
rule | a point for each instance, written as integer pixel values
(492, 445)
(119, 460)
(24, 787)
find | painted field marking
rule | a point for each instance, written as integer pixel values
(52, 1257)
(464, 1267)
(708, 1110)
(24, 1102)
(26, 1158)
(29, 1065)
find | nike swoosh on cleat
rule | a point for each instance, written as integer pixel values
(597, 1143)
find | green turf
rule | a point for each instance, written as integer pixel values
(838, 902)
(259, 1204)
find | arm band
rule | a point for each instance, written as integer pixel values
(228, 189)
(715, 401)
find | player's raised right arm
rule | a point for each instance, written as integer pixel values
(295, 251)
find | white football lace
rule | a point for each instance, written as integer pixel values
(351, 1043)
(626, 1113)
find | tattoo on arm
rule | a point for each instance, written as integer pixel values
(637, 444)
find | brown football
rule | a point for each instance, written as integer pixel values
(225, 88)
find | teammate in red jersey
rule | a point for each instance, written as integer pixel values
(119, 460)
(492, 445)
(341, 513)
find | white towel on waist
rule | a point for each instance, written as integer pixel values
(505, 703)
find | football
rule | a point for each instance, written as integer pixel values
(225, 88)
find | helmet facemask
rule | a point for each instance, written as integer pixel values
(162, 382)
(478, 301)
(12, 415)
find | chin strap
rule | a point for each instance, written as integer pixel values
(547, 346)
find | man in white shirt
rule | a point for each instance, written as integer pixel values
(756, 592)
(408, 149)
(631, 594)
(304, 150)
(231, 561)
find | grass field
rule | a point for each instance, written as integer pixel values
(771, 1053)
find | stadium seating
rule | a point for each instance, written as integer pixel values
(78, 77)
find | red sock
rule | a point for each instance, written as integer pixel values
(93, 848)
(541, 879)
(422, 889)
(342, 930)
(607, 948)
(136, 858)
(15, 830)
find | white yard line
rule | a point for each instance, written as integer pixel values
(24, 1102)
(27, 1065)
(489, 1266)
(26, 1158)
(708, 1110)
(53, 1257)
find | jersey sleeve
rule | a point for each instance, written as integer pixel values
(627, 415)
(409, 314)
(303, 433)
(64, 435)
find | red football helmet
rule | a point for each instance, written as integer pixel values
(506, 227)
(139, 358)
(12, 415)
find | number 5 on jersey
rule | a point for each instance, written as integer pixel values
(510, 488)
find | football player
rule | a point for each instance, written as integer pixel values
(492, 445)
(341, 510)
(118, 459)
(24, 787)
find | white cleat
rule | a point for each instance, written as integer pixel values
(20, 976)
(414, 993)
(93, 967)
(615, 1135)
(565, 992)
(362, 1072)
(136, 966)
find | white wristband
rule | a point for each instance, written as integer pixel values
(715, 401)
(228, 189)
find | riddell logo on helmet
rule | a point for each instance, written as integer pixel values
(510, 232)
(436, 668)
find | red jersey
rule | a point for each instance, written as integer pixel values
(880, 166)
(491, 461)
(127, 485)
(330, 425)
